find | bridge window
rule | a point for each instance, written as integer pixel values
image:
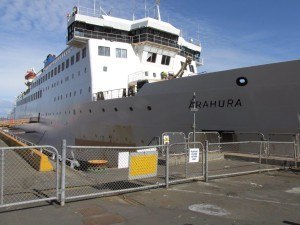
(84, 52)
(151, 57)
(72, 60)
(121, 53)
(165, 60)
(77, 56)
(192, 68)
(104, 51)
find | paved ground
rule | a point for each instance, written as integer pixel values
(269, 198)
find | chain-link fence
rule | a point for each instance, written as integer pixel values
(88, 171)
(185, 165)
(28, 176)
(202, 137)
(111, 170)
(237, 162)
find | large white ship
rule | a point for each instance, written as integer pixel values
(122, 82)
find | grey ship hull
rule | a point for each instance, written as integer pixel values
(269, 103)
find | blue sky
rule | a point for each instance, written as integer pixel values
(233, 33)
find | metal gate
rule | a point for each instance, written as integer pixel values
(21, 182)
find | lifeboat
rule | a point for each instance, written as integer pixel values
(30, 75)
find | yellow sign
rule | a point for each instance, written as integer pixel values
(166, 140)
(142, 165)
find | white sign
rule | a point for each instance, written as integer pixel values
(193, 155)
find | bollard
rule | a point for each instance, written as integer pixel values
(63, 173)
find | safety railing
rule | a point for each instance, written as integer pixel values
(110, 94)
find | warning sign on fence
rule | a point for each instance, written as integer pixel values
(193, 155)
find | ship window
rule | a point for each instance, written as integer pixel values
(55, 71)
(121, 53)
(165, 60)
(85, 70)
(77, 56)
(58, 69)
(146, 73)
(242, 81)
(104, 51)
(105, 68)
(151, 57)
(83, 52)
(63, 66)
(51, 73)
(72, 75)
(80, 91)
(72, 60)
(67, 63)
(154, 74)
(79, 73)
(192, 68)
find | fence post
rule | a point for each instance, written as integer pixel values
(260, 147)
(167, 167)
(295, 154)
(63, 173)
(2, 177)
(206, 162)
(186, 157)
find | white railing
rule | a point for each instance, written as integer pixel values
(110, 94)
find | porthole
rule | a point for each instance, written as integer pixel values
(116, 109)
(103, 110)
(130, 108)
(90, 111)
(242, 81)
(149, 108)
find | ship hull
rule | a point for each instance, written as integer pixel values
(268, 103)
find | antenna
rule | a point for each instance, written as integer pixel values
(158, 11)
(145, 8)
(133, 11)
(198, 34)
(94, 7)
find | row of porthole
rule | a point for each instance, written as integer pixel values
(149, 108)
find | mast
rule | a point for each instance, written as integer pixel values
(158, 11)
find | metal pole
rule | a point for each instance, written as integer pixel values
(206, 161)
(167, 167)
(2, 177)
(186, 158)
(295, 154)
(260, 147)
(63, 173)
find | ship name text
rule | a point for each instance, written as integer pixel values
(226, 103)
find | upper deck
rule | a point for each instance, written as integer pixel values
(85, 24)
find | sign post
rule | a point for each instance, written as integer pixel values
(194, 109)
